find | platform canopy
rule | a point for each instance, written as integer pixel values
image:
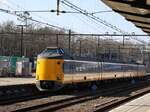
(136, 11)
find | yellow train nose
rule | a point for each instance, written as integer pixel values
(49, 69)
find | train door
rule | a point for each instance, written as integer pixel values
(59, 70)
(100, 66)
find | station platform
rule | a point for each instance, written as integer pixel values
(141, 104)
(6, 81)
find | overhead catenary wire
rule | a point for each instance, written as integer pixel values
(53, 11)
(84, 12)
(22, 16)
(40, 17)
(63, 11)
(87, 21)
(24, 10)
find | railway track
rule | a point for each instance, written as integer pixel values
(114, 102)
(105, 104)
(24, 92)
(17, 93)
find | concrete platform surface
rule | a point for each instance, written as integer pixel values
(15, 81)
(141, 104)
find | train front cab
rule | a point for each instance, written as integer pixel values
(49, 71)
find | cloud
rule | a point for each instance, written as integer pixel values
(3, 1)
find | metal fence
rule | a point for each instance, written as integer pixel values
(80, 46)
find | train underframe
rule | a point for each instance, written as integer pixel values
(47, 85)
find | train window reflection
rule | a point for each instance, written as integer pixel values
(50, 51)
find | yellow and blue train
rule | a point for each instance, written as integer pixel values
(53, 71)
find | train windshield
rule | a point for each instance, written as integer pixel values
(52, 52)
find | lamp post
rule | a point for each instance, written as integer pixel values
(79, 47)
(123, 40)
(58, 5)
(57, 40)
(69, 47)
(97, 50)
(2, 43)
(21, 39)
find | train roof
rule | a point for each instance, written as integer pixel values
(85, 61)
(54, 47)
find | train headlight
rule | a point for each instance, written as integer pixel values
(58, 77)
